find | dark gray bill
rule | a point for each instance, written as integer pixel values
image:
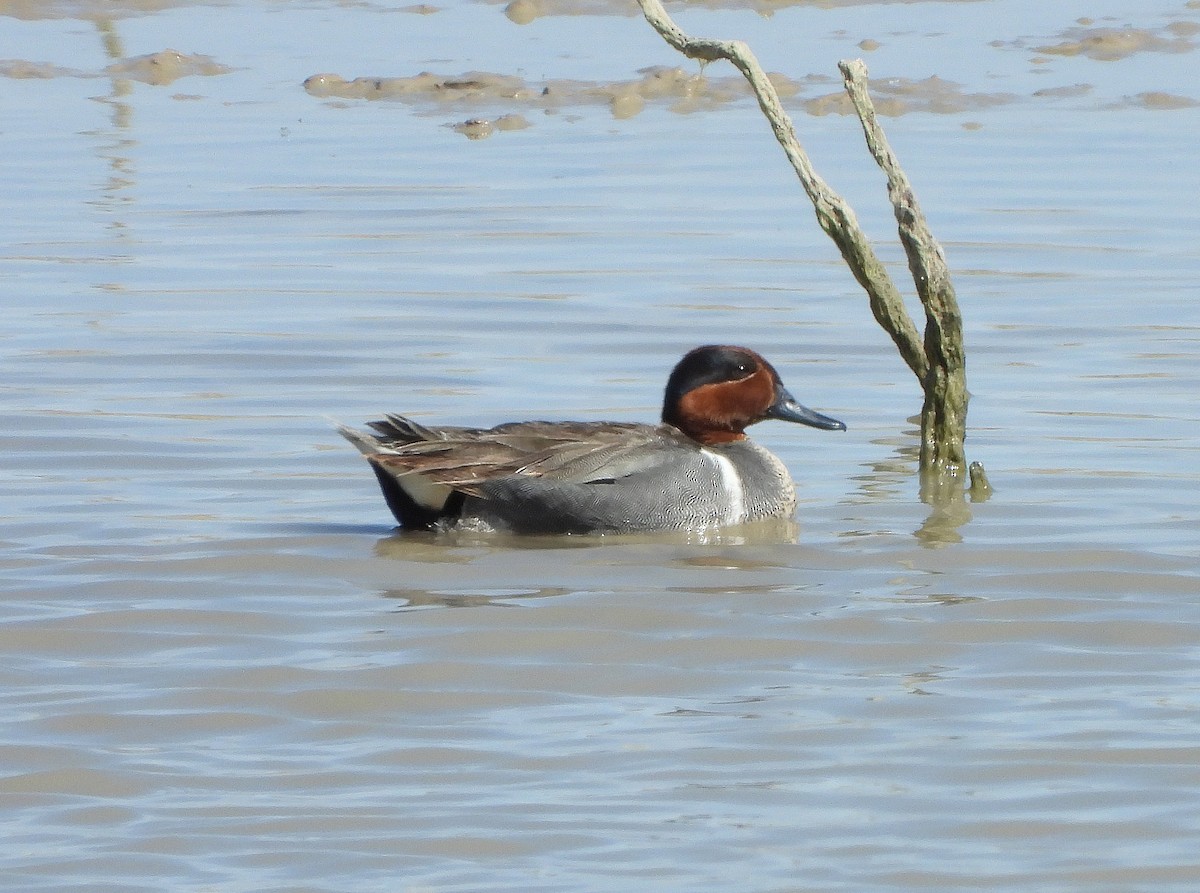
(786, 409)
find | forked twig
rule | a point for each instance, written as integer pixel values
(937, 359)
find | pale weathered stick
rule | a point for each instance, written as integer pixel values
(835, 217)
(943, 421)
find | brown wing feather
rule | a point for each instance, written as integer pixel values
(567, 451)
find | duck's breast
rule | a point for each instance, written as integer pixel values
(756, 481)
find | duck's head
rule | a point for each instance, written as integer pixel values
(715, 392)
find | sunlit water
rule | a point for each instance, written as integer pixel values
(224, 672)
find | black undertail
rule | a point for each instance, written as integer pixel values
(410, 514)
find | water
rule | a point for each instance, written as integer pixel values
(224, 672)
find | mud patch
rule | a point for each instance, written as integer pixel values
(900, 96)
(158, 69)
(38, 10)
(482, 128)
(1114, 44)
(677, 89)
(680, 90)
(21, 69)
(1158, 101)
(522, 12)
(1070, 91)
(165, 67)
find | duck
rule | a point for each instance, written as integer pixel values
(694, 470)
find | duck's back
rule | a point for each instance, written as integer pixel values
(655, 478)
(571, 477)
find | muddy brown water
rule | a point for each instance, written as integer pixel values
(224, 671)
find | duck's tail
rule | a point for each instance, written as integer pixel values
(415, 501)
(365, 443)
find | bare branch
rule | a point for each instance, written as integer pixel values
(944, 417)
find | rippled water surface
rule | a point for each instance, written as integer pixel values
(224, 671)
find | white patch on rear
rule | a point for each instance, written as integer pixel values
(424, 492)
(735, 493)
